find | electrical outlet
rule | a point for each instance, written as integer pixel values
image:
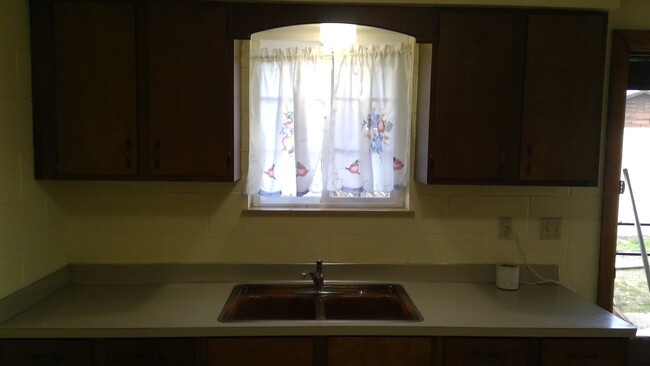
(505, 228)
(551, 228)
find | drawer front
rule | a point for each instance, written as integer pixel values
(154, 352)
(486, 351)
(583, 352)
(45, 352)
(379, 351)
(268, 351)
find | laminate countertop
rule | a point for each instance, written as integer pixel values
(192, 310)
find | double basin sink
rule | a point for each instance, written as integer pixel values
(286, 302)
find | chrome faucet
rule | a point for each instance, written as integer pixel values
(317, 277)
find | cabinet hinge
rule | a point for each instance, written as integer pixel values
(621, 187)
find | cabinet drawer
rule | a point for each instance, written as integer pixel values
(378, 351)
(592, 352)
(260, 351)
(145, 352)
(45, 352)
(486, 351)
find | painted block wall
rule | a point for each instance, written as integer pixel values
(32, 223)
(44, 225)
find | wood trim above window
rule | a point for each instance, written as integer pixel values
(246, 19)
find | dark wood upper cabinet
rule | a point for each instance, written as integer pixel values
(149, 89)
(95, 88)
(189, 100)
(129, 89)
(563, 97)
(515, 98)
(477, 109)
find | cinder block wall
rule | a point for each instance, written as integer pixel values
(31, 222)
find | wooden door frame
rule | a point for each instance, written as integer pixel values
(624, 44)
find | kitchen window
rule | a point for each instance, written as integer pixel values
(329, 124)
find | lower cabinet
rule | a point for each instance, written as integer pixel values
(315, 351)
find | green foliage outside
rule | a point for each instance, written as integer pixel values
(631, 293)
(631, 244)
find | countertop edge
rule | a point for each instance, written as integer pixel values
(312, 331)
(191, 310)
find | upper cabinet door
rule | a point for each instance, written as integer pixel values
(95, 87)
(478, 85)
(563, 98)
(189, 98)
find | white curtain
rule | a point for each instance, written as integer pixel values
(289, 102)
(363, 149)
(369, 133)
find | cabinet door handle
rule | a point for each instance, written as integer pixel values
(127, 150)
(156, 154)
(502, 158)
(228, 161)
(576, 357)
(529, 159)
(486, 358)
(140, 357)
(431, 162)
(48, 359)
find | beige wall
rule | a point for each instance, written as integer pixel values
(632, 14)
(31, 222)
(167, 222)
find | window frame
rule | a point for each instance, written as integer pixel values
(398, 199)
(397, 202)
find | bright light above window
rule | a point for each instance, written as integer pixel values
(337, 35)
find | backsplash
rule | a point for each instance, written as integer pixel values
(145, 222)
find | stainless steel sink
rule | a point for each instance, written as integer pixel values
(376, 302)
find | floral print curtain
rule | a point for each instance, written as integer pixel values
(289, 103)
(338, 122)
(369, 131)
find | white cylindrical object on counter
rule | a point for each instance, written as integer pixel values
(508, 276)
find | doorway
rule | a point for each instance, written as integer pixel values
(631, 295)
(627, 48)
